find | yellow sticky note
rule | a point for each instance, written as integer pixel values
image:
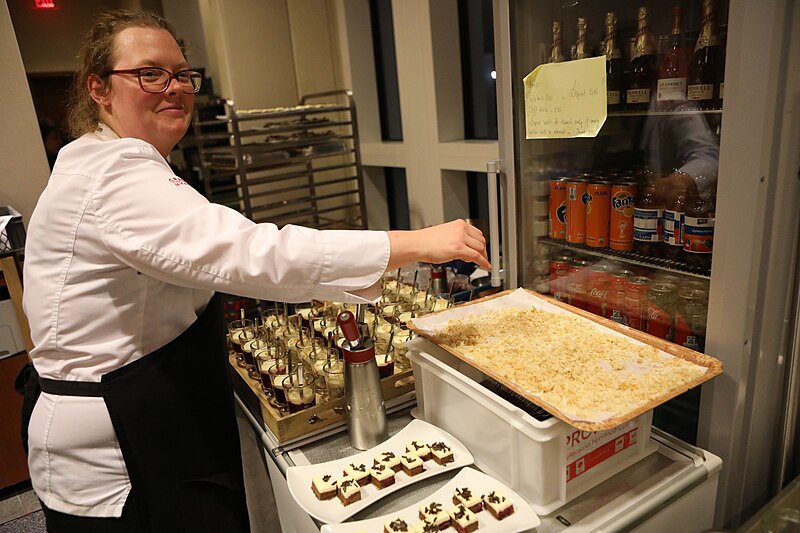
(566, 100)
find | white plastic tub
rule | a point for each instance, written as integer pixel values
(550, 462)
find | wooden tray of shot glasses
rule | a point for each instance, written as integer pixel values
(562, 368)
(288, 427)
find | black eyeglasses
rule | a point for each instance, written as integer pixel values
(156, 79)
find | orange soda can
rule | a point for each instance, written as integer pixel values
(576, 211)
(557, 219)
(623, 199)
(598, 211)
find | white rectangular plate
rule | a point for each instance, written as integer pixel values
(523, 518)
(333, 511)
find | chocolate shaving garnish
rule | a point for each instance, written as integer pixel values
(326, 478)
(347, 483)
(494, 498)
(458, 515)
(433, 508)
(398, 525)
(360, 468)
(440, 446)
(417, 446)
(387, 456)
(464, 493)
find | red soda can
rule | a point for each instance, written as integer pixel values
(617, 287)
(623, 199)
(598, 212)
(598, 283)
(636, 301)
(559, 286)
(576, 211)
(576, 283)
(557, 218)
(660, 316)
(559, 264)
(559, 268)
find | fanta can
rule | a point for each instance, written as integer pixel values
(576, 211)
(557, 219)
(623, 200)
(597, 213)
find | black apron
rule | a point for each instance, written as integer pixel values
(173, 414)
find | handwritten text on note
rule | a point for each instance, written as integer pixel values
(565, 100)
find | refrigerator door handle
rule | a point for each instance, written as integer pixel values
(492, 177)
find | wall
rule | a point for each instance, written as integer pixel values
(25, 170)
(49, 39)
(433, 150)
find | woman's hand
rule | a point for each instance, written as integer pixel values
(438, 244)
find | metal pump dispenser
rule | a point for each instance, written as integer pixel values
(364, 405)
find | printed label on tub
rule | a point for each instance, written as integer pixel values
(587, 449)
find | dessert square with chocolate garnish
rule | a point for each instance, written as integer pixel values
(357, 472)
(397, 525)
(469, 498)
(498, 505)
(441, 453)
(411, 464)
(462, 519)
(427, 527)
(434, 512)
(389, 459)
(420, 449)
(382, 476)
(349, 491)
(324, 487)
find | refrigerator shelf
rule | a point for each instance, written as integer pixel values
(665, 113)
(668, 265)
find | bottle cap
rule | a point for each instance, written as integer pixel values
(361, 354)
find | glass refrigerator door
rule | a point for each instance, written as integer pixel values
(621, 224)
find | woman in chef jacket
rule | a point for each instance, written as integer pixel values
(135, 427)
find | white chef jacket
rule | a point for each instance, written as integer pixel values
(121, 257)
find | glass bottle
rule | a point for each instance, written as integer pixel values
(556, 56)
(723, 39)
(644, 66)
(703, 84)
(674, 70)
(615, 76)
(581, 50)
(698, 232)
(674, 214)
(647, 221)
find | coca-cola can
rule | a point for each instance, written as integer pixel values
(660, 316)
(598, 281)
(559, 268)
(576, 283)
(636, 301)
(559, 263)
(617, 287)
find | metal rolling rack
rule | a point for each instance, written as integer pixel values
(286, 165)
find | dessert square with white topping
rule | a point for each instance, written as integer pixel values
(323, 486)
(463, 519)
(358, 472)
(420, 449)
(497, 504)
(388, 459)
(411, 464)
(434, 512)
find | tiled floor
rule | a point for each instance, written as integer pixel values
(18, 505)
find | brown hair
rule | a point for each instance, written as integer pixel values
(96, 57)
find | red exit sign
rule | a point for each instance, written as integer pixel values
(45, 4)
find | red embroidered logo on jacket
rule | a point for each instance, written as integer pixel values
(177, 181)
